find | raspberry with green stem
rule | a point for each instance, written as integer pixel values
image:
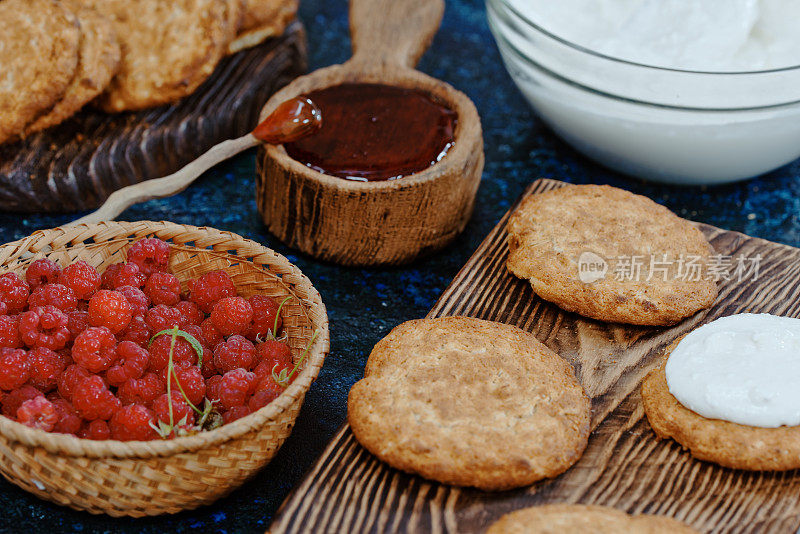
(283, 378)
(167, 430)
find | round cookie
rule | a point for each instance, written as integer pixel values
(556, 238)
(39, 55)
(722, 442)
(262, 19)
(98, 61)
(258, 13)
(470, 403)
(169, 47)
(581, 518)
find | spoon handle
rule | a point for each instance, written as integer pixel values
(393, 31)
(168, 185)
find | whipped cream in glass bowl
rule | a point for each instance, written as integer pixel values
(677, 91)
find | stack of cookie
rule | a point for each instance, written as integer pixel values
(59, 55)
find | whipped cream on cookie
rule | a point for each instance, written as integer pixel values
(743, 368)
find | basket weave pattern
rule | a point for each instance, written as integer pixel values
(156, 477)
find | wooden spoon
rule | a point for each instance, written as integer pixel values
(381, 222)
(293, 119)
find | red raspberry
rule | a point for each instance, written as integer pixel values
(77, 322)
(211, 336)
(92, 399)
(195, 332)
(69, 422)
(95, 349)
(82, 278)
(206, 290)
(163, 288)
(235, 353)
(110, 309)
(44, 326)
(42, 271)
(9, 331)
(69, 380)
(57, 295)
(142, 390)
(45, 368)
(137, 331)
(38, 413)
(190, 379)
(136, 298)
(107, 278)
(159, 352)
(162, 317)
(14, 368)
(265, 312)
(267, 391)
(13, 293)
(213, 385)
(274, 352)
(265, 370)
(15, 398)
(190, 313)
(132, 423)
(235, 388)
(150, 254)
(237, 412)
(97, 430)
(232, 315)
(132, 363)
(130, 274)
(122, 274)
(179, 409)
(208, 368)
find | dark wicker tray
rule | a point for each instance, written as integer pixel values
(76, 165)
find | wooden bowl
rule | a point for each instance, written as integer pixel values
(142, 478)
(385, 222)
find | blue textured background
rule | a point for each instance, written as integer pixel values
(365, 303)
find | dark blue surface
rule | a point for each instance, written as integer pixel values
(365, 303)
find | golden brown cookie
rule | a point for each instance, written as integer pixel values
(262, 19)
(39, 42)
(722, 442)
(470, 403)
(610, 255)
(98, 61)
(169, 47)
(584, 519)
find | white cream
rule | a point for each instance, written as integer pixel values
(712, 35)
(743, 368)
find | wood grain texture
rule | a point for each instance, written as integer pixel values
(625, 466)
(78, 164)
(399, 34)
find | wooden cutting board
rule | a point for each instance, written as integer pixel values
(76, 165)
(625, 466)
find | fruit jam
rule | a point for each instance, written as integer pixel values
(373, 132)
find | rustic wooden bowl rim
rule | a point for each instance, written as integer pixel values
(368, 72)
(74, 446)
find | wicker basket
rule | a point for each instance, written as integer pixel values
(157, 477)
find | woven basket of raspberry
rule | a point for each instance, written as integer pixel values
(149, 367)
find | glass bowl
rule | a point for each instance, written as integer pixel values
(667, 125)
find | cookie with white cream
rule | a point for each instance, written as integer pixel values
(728, 392)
